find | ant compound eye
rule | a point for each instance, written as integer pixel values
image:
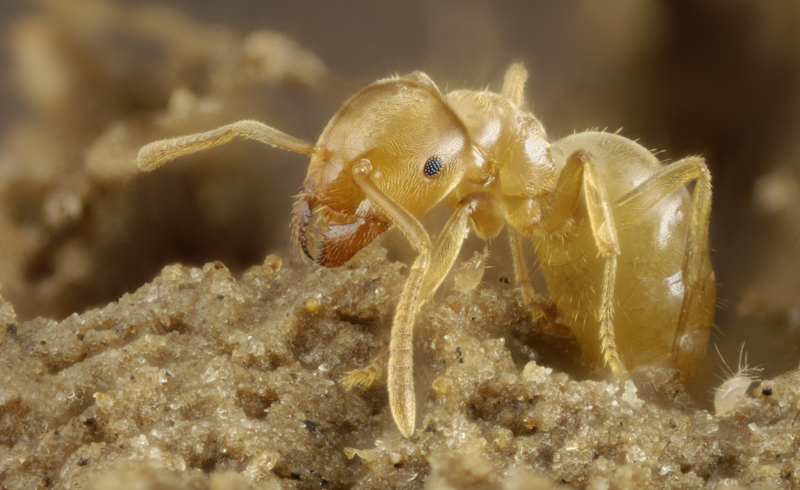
(433, 166)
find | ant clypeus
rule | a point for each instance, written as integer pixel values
(622, 244)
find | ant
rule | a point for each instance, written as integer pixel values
(623, 245)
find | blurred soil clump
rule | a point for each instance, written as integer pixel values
(100, 79)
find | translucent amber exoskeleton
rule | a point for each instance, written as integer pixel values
(622, 242)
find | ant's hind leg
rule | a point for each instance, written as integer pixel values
(157, 153)
(687, 348)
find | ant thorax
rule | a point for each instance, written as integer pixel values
(511, 157)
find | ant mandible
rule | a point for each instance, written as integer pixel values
(622, 243)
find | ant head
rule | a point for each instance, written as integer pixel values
(418, 150)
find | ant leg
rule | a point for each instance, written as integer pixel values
(445, 251)
(695, 271)
(400, 373)
(157, 153)
(579, 173)
(448, 245)
(514, 83)
(521, 274)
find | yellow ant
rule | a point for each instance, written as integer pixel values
(623, 245)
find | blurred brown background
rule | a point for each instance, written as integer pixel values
(717, 78)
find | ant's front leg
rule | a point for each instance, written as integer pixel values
(427, 272)
(445, 251)
(580, 172)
